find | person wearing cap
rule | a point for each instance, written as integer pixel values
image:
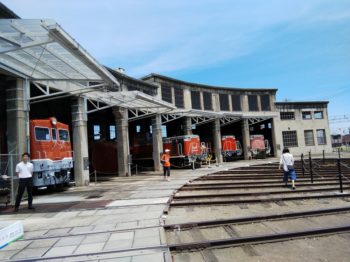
(166, 164)
(24, 171)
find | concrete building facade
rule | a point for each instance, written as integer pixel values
(303, 127)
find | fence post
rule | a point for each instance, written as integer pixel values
(95, 177)
(302, 164)
(323, 156)
(339, 173)
(11, 171)
(310, 166)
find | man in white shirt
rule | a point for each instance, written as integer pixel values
(24, 171)
(287, 161)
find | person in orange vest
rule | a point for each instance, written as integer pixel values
(166, 164)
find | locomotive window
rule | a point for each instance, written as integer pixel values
(54, 134)
(42, 134)
(138, 129)
(112, 133)
(63, 134)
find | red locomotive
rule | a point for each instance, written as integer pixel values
(259, 147)
(51, 152)
(185, 149)
(230, 147)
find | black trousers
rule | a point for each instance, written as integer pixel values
(23, 184)
(166, 171)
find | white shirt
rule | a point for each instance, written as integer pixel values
(286, 159)
(24, 170)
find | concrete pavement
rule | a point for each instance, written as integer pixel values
(119, 219)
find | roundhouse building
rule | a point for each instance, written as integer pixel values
(50, 74)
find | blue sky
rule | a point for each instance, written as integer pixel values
(300, 47)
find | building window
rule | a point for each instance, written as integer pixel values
(309, 137)
(195, 99)
(179, 97)
(306, 115)
(236, 102)
(321, 136)
(224, 106)
(207, 99)
(318, 114)
(97, 132)
(138, 129)
(164, 131)
(287, 115)
(253, 103)
(290, 138)
(166, 93)
(265, 102)
(112, 132)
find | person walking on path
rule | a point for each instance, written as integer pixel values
(166, 164)
(24, 171)
(287, 162)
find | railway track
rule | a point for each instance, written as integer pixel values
(254, 186)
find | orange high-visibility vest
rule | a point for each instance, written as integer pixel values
(166, 159)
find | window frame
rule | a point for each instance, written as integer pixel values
(289, 144)
(302, 115)
(286, 119)
(313, 137)
(324, 137)
(43, 127)
(93, 133)
(61, 129)
(319, 111)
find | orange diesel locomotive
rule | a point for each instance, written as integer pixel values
(51, 152)
(185, 149)
(230, 147)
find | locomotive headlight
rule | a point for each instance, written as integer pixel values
(53, 121)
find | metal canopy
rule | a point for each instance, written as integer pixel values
(42, 50)
(138, 103)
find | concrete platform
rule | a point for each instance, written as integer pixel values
(119, 219)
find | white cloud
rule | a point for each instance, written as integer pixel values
(163, 36)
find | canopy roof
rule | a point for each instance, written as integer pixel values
(42, 50)
(134, 100)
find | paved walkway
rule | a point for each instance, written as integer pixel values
(119, 219)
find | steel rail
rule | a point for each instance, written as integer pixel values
(242, 220)
(257, 182)
(261, 193)
(199, 187)
(249, 177)
(257, 239)
(255, 200)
